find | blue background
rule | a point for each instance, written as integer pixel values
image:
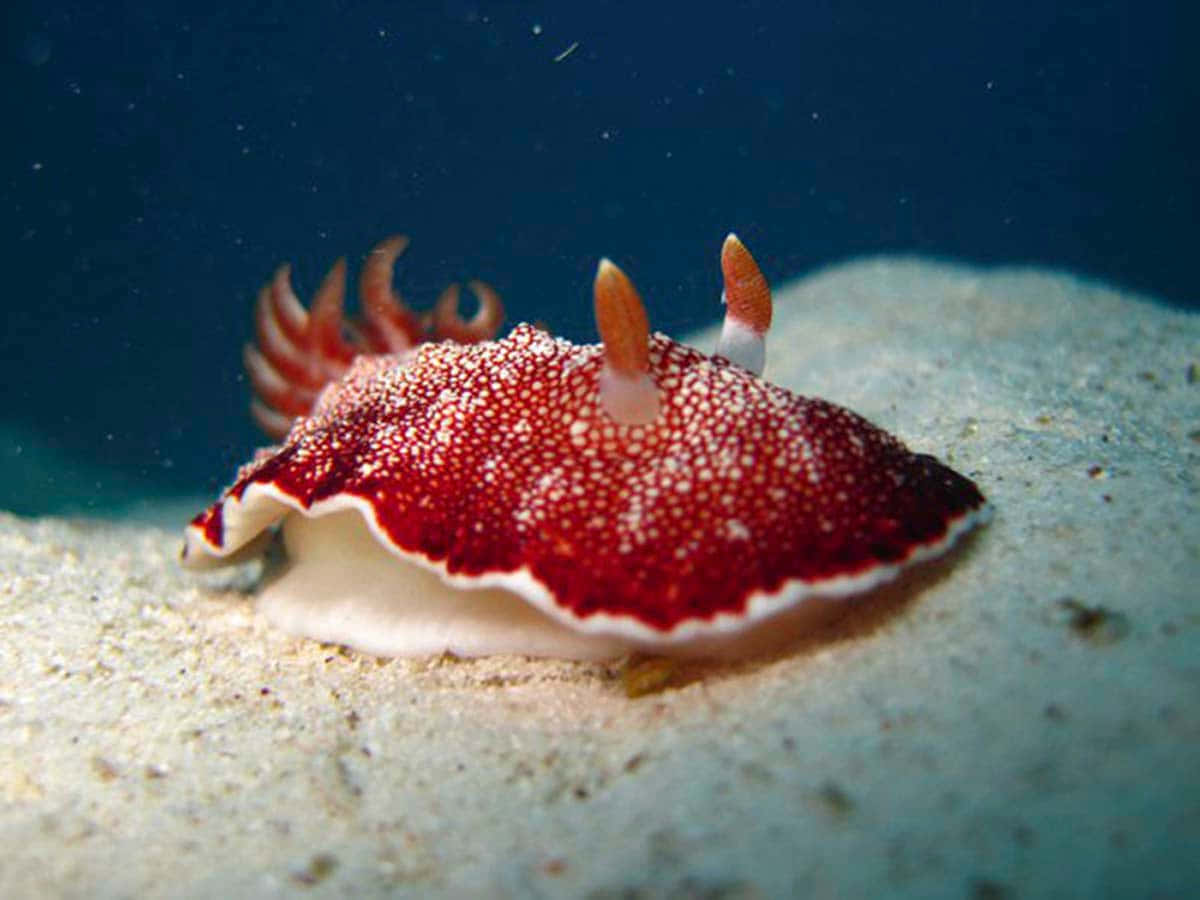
(160, 161)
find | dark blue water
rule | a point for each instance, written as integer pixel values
(158, 164)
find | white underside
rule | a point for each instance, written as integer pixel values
(346, 583)
(341, 586)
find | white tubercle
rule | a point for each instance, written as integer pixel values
(628, 399)
(742, 345)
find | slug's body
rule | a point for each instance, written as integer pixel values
(528, 495)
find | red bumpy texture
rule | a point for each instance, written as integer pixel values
(497, 456)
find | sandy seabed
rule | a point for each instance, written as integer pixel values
(1021, 720)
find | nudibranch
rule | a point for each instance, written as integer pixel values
(439, 490)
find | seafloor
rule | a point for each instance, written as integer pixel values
(1021, 720)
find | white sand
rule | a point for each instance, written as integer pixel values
(956, 737)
